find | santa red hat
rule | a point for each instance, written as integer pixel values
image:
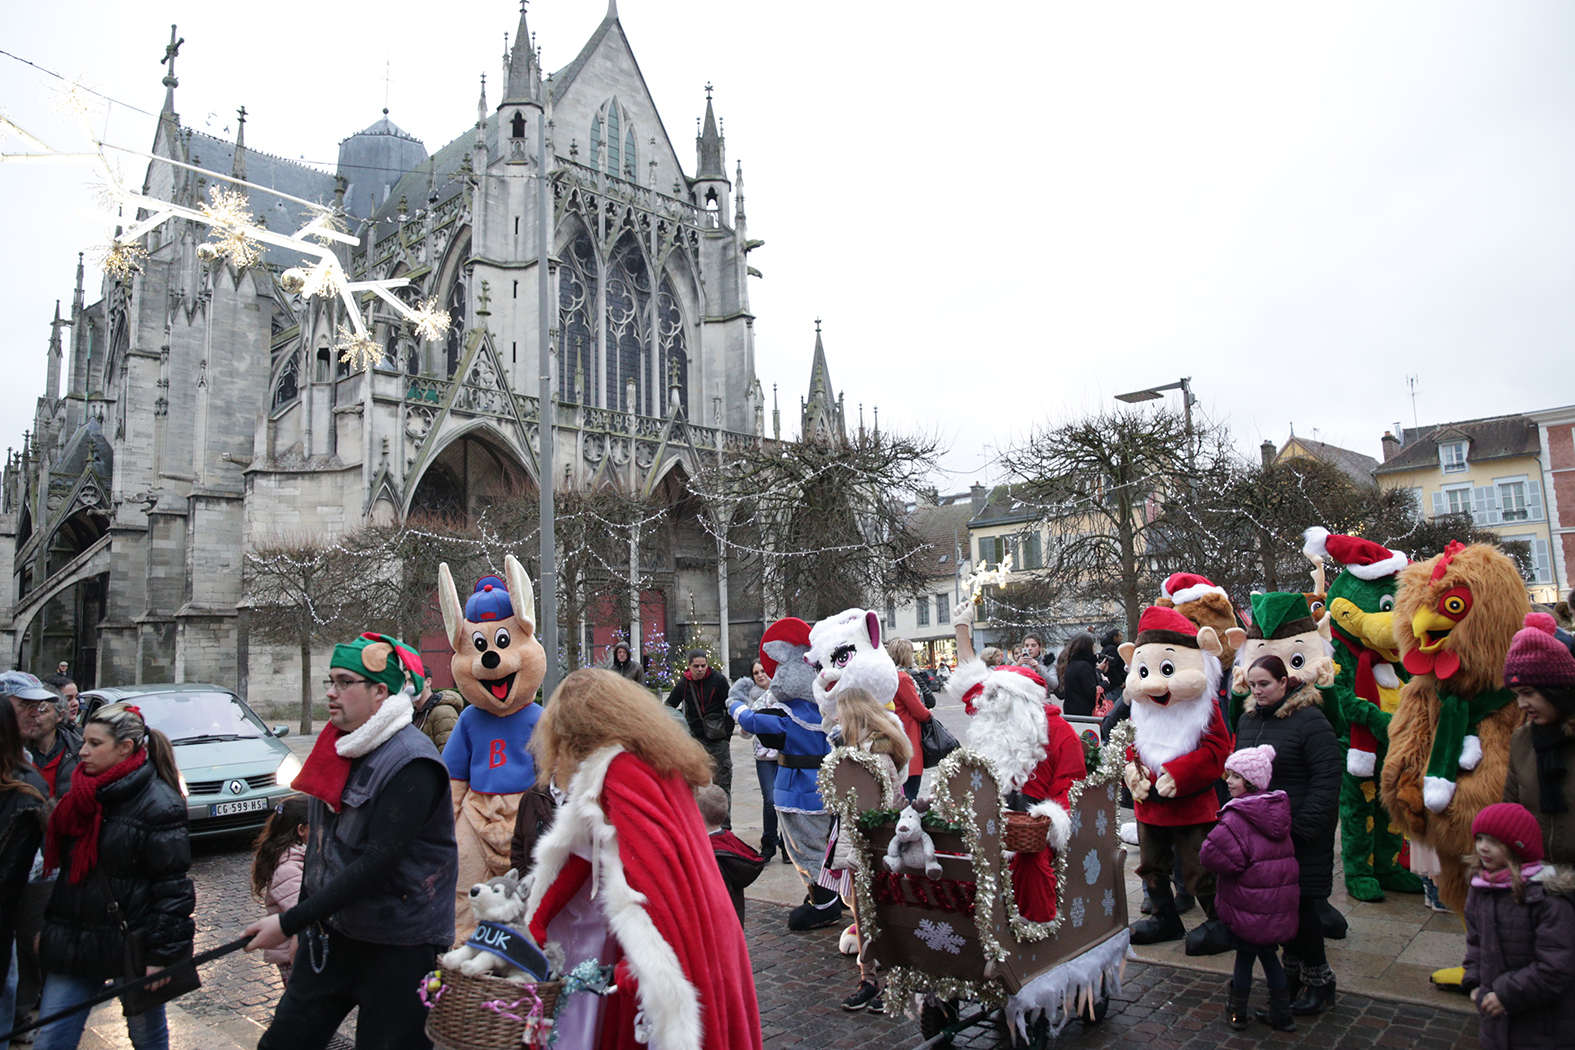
(789, 629)
(1161, 626)
(1364, 559)
(1183, 587)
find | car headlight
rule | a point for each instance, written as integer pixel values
(289, 769)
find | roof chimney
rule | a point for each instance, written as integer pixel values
(979, 496)
(1268, 452)
(1391, 444)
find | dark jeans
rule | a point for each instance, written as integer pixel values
(379, 978)
(1246, 954)
(722, 757)
(1307, 945)
(910, 787)
(766, 773)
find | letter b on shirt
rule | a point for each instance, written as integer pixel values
(498, 754)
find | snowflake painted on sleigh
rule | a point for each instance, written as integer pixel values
(989, 826)
(1101, 824)
(1078, 911)
(939, 936)
(1091, 866)
(1109, 903)
(1077, 822)
(977, 780)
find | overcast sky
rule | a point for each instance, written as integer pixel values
(1004, 215)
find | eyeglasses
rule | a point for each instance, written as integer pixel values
(339, 685)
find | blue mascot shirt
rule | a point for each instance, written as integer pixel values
(490, 752)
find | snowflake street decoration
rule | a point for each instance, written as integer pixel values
(121, 259)
(939, 936)
(1079, 911)
(74, 100)
(1091, 866)
(357, 351)
(1101, 823)
(1109, 903)
(233, 228)
(430, 322)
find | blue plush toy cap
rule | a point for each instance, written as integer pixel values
(490, 602)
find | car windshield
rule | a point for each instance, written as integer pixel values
(189, 717)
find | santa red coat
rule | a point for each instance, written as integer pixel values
(1194, 773)
(1033, 874)
(683, 971)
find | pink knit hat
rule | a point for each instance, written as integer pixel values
(1513, 825)
(1255, 765)
(1536, 657)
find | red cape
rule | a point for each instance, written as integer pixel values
(658, 849)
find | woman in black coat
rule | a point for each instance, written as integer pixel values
(22, 794)
(1283, 712)
(119, 839)
(1080, 680)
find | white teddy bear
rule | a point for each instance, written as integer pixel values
(911, 847)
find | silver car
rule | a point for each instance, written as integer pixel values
(234, 769)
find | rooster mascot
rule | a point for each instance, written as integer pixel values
(498, 665)
(1455, 616)
(626, 877)
(1178, 752)
(1037, 755)
(1366, 693)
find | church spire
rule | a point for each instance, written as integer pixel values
(822, 409)
(524, 84)
(170, 82)
(238, 169)
(710, 145)
(52, 384)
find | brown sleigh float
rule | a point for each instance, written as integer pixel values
(959, 938)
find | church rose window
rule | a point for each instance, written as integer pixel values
(577, 277)
(628, 328)
(670, 329)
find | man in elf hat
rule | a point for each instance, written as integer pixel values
(1178, 752)
(377, 893)
(1366, 692)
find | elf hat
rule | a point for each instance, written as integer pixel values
(1255, 765)
(1365, 559)
(1161, 626)
(1537, 657)
(489, 602)
(1514, 826)
(382, 658)
(1280, 614)
(1183, 587)
(789, 629)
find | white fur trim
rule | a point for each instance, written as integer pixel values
(1470, 751)
(670, 1002)
(1060, 823)
(1313, 543)
(392, 715)
(1384, 675)
(1379, 569)
(1196, 591)
(1437, 793)
(1129, 832)
(1360, 763)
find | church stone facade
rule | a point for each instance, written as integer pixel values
(205, 410)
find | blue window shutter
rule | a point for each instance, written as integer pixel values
(1533, 500)
(1492, 517)
(1438, 504)
(1539, 556)
(1479, 508)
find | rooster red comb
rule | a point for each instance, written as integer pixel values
(1454, 548)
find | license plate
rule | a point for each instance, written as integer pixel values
(245, 805)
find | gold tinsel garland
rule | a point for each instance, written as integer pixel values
(846, 807)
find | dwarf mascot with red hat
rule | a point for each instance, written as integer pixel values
(1177, 753)
(1036, 755)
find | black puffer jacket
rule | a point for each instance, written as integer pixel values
(1080, 685)
(143, 851)
(1307, 767)
(21, 832)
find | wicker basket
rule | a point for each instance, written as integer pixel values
(1025, 833)
(460, 1020)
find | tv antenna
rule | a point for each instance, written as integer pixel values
(1410, 382)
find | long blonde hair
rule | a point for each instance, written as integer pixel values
(865, 720)
(592, 708)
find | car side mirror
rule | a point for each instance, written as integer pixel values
(281, 730)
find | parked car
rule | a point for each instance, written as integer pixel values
(234, 769)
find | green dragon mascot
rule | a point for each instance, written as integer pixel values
(1367, 691)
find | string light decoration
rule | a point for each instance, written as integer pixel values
(234, 228)
(430, 322)
(74, 99)
(120, 258)
(357, 350)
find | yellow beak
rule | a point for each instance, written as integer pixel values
(1376, 630)
(1431, 628)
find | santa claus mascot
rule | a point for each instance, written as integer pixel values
(1036, 755)
(1178, 752)
(626, 876)
(498, 665)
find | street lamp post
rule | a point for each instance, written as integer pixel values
(1154, 392)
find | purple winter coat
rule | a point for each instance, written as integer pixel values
(1525, 953)
(1250, 850)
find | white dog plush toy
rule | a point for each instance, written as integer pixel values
(845, 651)
(911, 847)
(497, 947)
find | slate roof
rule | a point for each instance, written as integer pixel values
(276, 173)
(1355, 465)
(1496, 437)
(1002, 508)
(941, 527)
(412, 187)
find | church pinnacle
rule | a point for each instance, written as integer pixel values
(823, 419)
(710, 145)
(524, 84)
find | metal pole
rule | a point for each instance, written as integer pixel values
(1186, 407)
(545, 413)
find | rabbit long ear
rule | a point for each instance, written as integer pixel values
(872, 628)
(448, 601)
(522, 595)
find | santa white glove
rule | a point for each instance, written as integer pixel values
(1137, 783)
(962, 615)
(1166, 785)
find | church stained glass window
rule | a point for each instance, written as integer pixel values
(674, 345)
(612, 138)
(577, 278)
(628, 325)
(289, 386)
(596, 141)
(629, 171)
(456, 328)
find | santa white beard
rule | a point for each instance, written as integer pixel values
(1168, 732)
(1012, 733)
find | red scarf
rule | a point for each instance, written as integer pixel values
(79, 815)
(325, 772)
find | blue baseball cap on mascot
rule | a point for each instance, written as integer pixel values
(489, 602)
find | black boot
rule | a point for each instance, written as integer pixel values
(1315, 998)
(1236, 1011)
(1293, 974)
(1333, 923)
(821, 909)
(1213, 937)
(1164, 924)
(1278, 1015)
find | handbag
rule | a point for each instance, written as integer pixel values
(936, 741)
(183, 976)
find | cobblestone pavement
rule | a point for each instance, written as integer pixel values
(800, 979)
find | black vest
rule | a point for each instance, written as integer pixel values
(415, 903)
